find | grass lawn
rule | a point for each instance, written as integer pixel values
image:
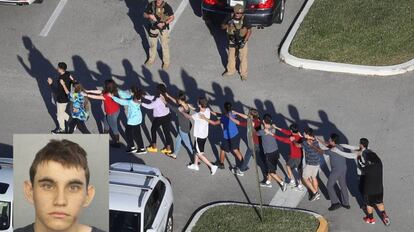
(244, 218)
(367, 32)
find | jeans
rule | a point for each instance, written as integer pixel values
(185, 137)
(248, 156)
(111, 122)
(133, 133)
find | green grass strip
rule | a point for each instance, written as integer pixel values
(366, 32)
(244, 218)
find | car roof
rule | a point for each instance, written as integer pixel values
(6, 181)
(130, 186)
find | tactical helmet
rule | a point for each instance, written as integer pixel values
(238, 7)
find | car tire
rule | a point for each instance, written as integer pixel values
(281, 12)
(169, 227)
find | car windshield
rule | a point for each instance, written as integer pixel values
(121, 221)
(4, 215)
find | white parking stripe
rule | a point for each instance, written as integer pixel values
(178, 12)
(53, 18)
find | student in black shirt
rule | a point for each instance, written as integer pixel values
(62, 86)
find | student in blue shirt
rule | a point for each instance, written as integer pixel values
(134, 118)
(231, 138)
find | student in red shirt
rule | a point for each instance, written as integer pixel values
(295, 156)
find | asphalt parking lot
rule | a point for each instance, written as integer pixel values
(100, 39)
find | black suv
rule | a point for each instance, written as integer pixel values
(261, 13)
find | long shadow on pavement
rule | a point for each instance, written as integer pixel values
(40, 69)
(135, 13)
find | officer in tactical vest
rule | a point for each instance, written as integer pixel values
(238, 31)
(160, 15)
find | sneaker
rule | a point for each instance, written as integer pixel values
(131, 149)
(58, 131)
(213, 169)
(193, 167)
(152, 150)
(283, 186)
(141, 151)
(166, 151)
(236, 171)
(385, 219)
(315, 196)
(172, 155)
(292, 183)
(219, 165)
(299, 188)
(346, 206)
(369, 220)
(334, 207)
(266, 184)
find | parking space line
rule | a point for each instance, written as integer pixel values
(53, 18)
(178, 12)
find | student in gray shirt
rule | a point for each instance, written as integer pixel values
(184, 124)
(338, 172)
(271, 151)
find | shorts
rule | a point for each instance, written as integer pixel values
(294, 162)
(199, 145)
(310, 171)
(231, 144)
(271, 161)
(374, 199)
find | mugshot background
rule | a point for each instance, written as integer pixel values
(25, 148)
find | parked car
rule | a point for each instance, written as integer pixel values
(6, 195)
(20, 2)
(140, 199)
(261, 13)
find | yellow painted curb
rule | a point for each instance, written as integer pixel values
(323, 225)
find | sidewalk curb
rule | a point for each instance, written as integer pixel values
(288, 58)
(323, 224)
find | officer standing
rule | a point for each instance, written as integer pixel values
(160, 15)
(238, 31)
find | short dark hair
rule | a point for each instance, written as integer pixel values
(64, 152)
(62, 65)
(335, 138)
(309, 131)
(364, 142)
(294, 128)
(161, 88)
(181, 96)
(267, 118)
(202, 101)
(227, 107)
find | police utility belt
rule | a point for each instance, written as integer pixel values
(153, 26)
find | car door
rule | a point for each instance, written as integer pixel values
(155, 213)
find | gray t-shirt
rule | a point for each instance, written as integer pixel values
(30, 228)
(268, 141)
(183, 122)
(312, 156)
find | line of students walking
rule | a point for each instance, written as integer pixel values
(264, 134)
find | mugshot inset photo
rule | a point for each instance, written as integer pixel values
(61, 183)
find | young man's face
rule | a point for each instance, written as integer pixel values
(60, 71)
(159, 2)
(58, 195)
